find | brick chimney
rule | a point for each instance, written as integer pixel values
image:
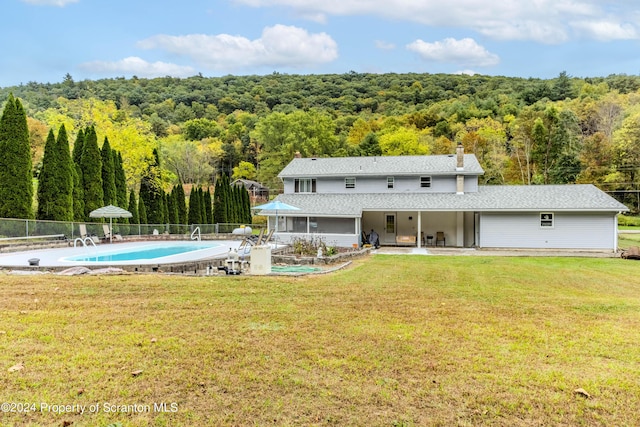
(297, 155)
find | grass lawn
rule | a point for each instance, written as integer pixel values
(390, 341)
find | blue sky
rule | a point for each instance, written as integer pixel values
(93, 39)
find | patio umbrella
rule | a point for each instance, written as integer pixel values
(276, 205)
(110, 212)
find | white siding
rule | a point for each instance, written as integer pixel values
(402, 184)
(571, 230)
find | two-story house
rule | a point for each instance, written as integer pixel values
(413, 199)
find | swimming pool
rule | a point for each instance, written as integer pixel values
(121, 254)
(151, 252)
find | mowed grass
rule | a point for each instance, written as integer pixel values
(390, 341)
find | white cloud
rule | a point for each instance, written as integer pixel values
(139, 67)
(279, 46)
(463, 52)
(466, 72)
(59, 3)
(544, 21)
(605, 30)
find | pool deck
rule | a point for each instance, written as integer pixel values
(55, 259)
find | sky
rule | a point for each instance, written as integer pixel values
(43, 40)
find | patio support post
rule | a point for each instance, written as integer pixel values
(419, 237)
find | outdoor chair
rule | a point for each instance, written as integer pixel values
(440, 238)
(107, 233)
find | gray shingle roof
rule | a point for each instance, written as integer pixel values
(487, 199)
(379, 166)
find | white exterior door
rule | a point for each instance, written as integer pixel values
(389, 233)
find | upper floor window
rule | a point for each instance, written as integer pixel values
(349, 183)
(305, 185)
(390, 182)
(546, 220)
(425, 181)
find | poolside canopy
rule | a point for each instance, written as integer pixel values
(110, 212)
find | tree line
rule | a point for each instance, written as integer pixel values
(72, 183)
(523, 131)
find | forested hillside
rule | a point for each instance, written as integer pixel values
(524, 131)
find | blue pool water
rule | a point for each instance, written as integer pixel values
(142, 253)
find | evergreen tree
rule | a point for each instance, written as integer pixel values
(133, 208)
(108, 174)
(120, 180)
(246, 205)
(55, 183)
(219, 215)
(172, 210)
(91, 165)
(181, 204)
(208, 207)
(16, 179)
(47, 188)
(78, 194)
(76, 155)
(66, 174)
(195, 211)
(203, 208)
(151, 191)
(142, 210)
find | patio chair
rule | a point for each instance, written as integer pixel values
(266, 238)
(84, 234)
(107, 233)
(440, 238)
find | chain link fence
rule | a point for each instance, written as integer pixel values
(17, 229)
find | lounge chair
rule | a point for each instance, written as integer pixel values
(107, 233)
(266, 238)
(84, 234)
(440, 238)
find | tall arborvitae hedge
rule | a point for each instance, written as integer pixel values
(219, 215)
(78, 182)
(16, 179)
(151, 191)
(55, 183)
(133, 208)
(91, 165)
(47, 186)
(208, 206)
(181, 204)
(120, 180)
(195, 209)
(76, 154)
(142, 210)
(108, 174)
(172, 210)
(78, 193)
(66, 174)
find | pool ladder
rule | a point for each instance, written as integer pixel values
(84, 241)
(193, 234)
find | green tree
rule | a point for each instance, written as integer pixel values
(108, 174)
(181, 204)
(151, 192)
(91, 165)
(16, 188)
(195, 208)
(133, 208)
(142, 210)
(55, 183)
(120, 180)
(47, 186)
(244, 170)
